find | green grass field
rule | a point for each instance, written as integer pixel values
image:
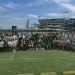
(38, 61)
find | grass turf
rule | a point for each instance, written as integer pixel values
(36, 61)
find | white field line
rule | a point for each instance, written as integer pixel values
(11, 58)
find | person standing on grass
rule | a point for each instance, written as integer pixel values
(1, 44)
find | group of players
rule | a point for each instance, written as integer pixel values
(34, 41)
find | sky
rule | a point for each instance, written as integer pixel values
(16, 12)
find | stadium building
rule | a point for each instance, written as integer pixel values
(57, 24)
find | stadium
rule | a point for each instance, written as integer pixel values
(48, 49)
(57, 23)
(37, 37)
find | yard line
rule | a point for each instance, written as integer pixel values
(11, 58)
(14, 52)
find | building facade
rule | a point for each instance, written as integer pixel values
(44, 23)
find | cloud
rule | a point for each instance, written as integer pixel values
(10, 5)
(5, 7)
(54, 14)
(44, 1)
(67, 4)
(14, 6)
(72, 16)
(32, 16)
(62, 1)
(29, 4)
(2, 9)
(11, 17)
(6, 21)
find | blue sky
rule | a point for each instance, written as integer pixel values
(15, 12)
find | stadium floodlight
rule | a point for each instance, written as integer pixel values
(40, 17)
(66, 15)
(66, 18)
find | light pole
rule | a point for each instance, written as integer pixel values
(66, 18)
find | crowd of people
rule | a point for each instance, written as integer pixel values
(32, 41)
